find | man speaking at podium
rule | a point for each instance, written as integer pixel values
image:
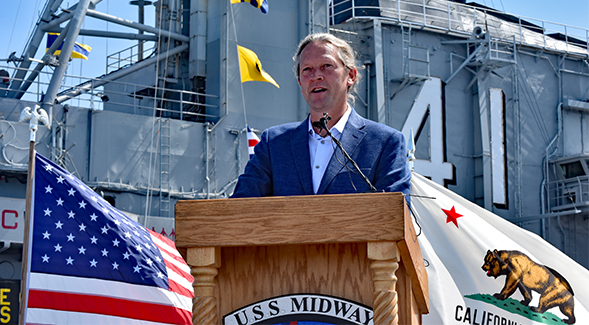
(305, 158)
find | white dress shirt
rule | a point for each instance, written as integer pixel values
(321, 148)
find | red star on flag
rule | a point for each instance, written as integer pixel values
(452, 216)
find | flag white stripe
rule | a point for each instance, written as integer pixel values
(120, 290)
(179, 279)
(182, 266)
(162, 245)
(166, 251)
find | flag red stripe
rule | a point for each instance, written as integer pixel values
(174, 257)
(170, 255)
(173, 285)
(166, 250)
(177, 268)
(252, 142)
(163, 238)
(179, 289)
(108, 306)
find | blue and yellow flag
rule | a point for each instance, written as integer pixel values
(251, 67)
(260, 4)
(80, 51)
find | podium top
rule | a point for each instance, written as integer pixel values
(281, 220)
(316, 219)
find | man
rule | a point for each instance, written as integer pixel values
(300, 159)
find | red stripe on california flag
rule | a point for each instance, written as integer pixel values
(252, 142)
(108, 306)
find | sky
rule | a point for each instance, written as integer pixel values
(18, 17)
(569, 12)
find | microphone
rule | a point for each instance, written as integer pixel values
(322, 125)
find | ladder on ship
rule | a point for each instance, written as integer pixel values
(165, 144)
(416, 63)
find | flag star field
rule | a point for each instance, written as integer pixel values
(74, 236)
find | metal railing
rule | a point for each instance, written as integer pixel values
(453, 17)
(570, 193)
(173, 103)
(127, 57)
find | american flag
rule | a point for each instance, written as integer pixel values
(91, 264)
(252, 140)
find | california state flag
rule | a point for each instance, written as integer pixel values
(484, 270)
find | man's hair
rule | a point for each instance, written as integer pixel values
(344, 52)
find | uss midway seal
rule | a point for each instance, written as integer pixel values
(301, 309)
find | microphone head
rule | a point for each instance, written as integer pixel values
(317, 124)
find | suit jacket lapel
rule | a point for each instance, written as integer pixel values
(350, 139)
(299, 145)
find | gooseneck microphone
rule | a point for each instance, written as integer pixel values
(322, 125)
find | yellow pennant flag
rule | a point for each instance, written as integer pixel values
(262, 5)
(80, 51)
(251, 67)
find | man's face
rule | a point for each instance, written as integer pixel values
(324, 79)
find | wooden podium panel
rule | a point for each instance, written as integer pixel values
(251, 274)
(360, 247)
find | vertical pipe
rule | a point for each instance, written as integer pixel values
(141, 20)
(311, 20)
(330, 14)
(379, 78)
(449, 17)
(53, 141)
(521, 36)
(327, 16)
(424, 19)
(587, 40)
(566, 38)
(368, 64)
(561, 99)
(181, 105)
(227, 58)
(197, 55)
(519, 149)
(206, 154)
(543, 34)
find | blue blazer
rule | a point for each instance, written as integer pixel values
(281, 165)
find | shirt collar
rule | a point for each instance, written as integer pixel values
(338, 127)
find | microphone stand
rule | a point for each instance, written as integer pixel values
(322, 125)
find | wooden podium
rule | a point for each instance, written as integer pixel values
(359, 247)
